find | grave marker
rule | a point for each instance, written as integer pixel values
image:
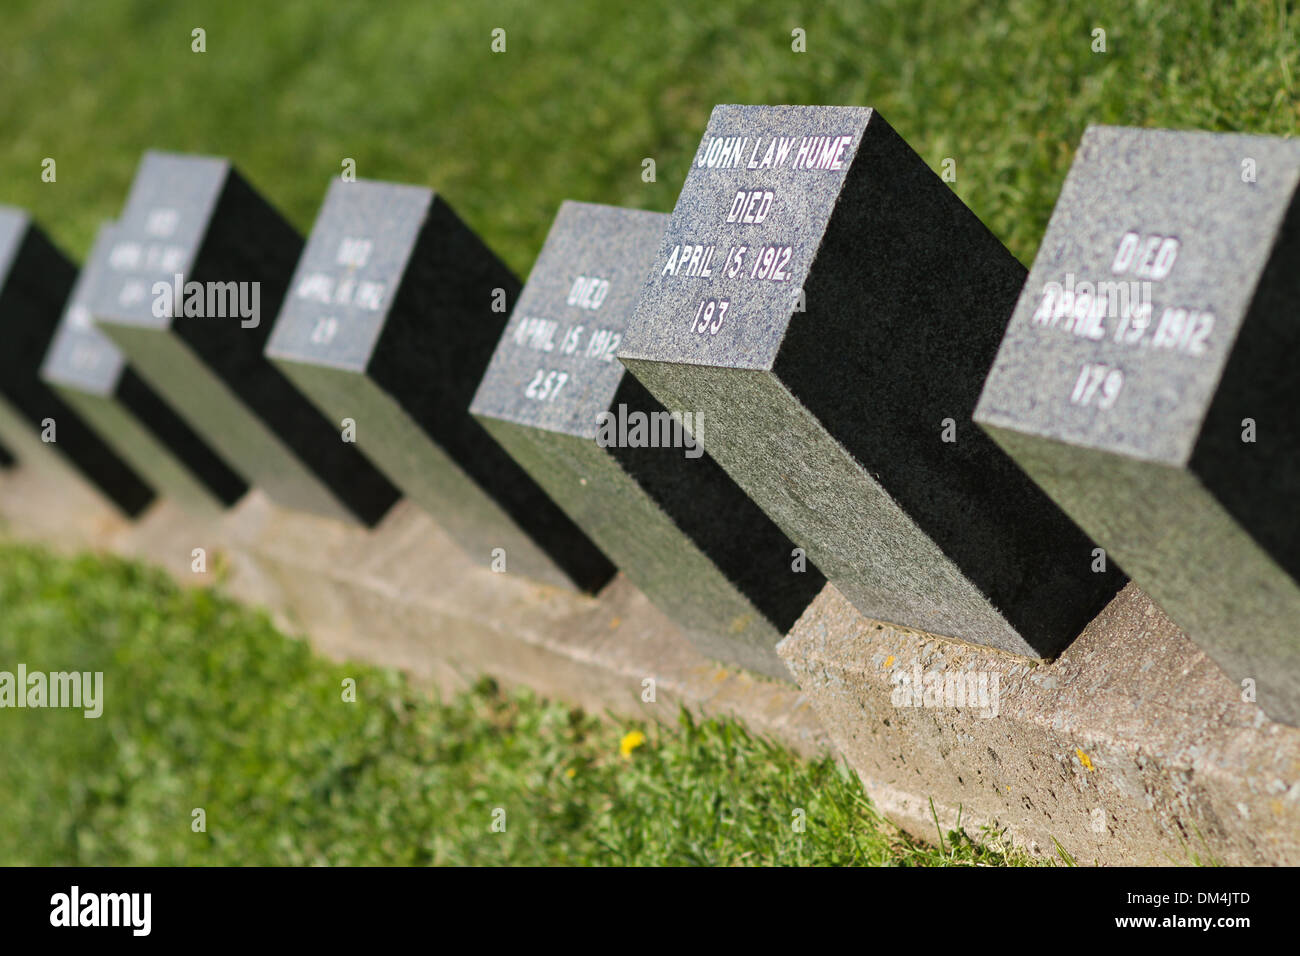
(90, 373)
(390, 323)
(1146, 380)
(35, 280)
(832, 308)
(639, 482)
(197, 270)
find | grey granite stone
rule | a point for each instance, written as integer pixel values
(1157, 319)
(90, 373)
(194, 222)
(655, 502)
(35, 282)
(858, 329)
(390, 322)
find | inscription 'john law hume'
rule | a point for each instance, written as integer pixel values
(773, 152)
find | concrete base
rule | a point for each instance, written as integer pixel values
(1132, 747)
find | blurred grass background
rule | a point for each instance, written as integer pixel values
(586, 90)
(208, 705)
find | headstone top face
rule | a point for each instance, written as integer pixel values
(744, 234)
(347, 277)
(81, 355)
(555, 366)
(13, 224)
(158, 237)
(1145, 274)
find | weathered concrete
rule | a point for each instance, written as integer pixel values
(1132, 747)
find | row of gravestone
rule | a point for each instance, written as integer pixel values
(813, 336)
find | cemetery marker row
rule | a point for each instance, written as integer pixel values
(809, 335)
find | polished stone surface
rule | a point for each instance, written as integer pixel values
(194, 219)
(640, 483)
(35, 282)
(1147, 382)
(91, 374)
(390, 321)
(833, 308)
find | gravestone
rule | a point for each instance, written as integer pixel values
(390, 322)
(1147, 382)
(832, 308)
(89, 372)
(638, 481)
(35, 281)
(197, 269)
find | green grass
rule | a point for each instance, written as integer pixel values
(207, 706)
(586, 90)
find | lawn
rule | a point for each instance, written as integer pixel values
(206, 707)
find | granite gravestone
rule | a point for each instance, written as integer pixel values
(35, 281)
(1147, 382)
(639, 481)
(89, 372)
(832, 308)
(390, 323)
(198, 266)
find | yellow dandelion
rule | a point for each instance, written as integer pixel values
(1083, 759)
(630, 742)
(571, 772)
(889, 661)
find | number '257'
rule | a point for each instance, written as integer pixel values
(546, 385)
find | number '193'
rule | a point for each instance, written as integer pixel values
(709, 316)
